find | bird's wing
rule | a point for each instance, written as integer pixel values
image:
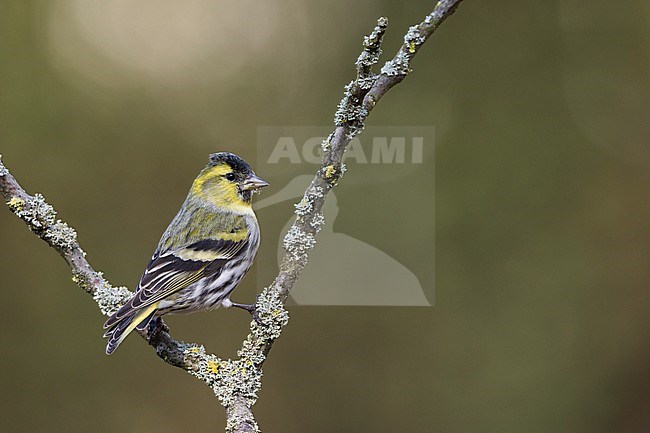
(171, 271)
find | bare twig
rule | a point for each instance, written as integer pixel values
(237, 382)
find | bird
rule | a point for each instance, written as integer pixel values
(203, 254)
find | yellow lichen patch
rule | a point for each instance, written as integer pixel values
(16, 204)
(80, 281)
(213, 367)
(412, 47)
(194, 349)
(329, 171)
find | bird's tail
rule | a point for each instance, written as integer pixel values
(119, 330)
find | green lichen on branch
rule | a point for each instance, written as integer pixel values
(297, 243)
(415, 37)
(370, 54)
(325, 145)
(306, 206)
(303, 207)
(349, 112)
(241, 378)
(109, 299)
(306, 211)
(229, 379)
(40, 216)
(317, 221)
(273, 316)
(400, 64)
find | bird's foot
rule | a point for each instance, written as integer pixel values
(157, 325)
(251, 309)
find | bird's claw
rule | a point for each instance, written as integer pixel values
(252, 309)
(156, 325)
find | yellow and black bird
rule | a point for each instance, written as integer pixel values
(204, 253)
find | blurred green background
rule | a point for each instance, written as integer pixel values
(541, 193)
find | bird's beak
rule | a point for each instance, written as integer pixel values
(253, 183)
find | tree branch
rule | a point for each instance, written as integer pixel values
(236, 382)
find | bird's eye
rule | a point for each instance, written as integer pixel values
(230, 176)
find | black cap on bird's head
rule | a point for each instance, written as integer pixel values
(236, 163)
